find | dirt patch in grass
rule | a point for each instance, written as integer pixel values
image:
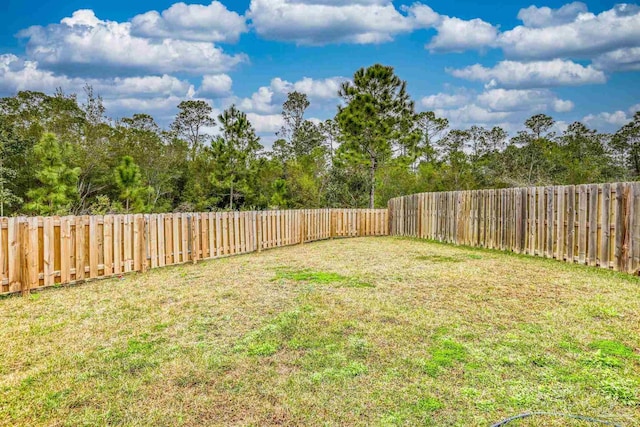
(377, 331)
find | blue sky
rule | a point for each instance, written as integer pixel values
(489, 63)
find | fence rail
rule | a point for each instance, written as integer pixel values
(39, 252)
(597, 225)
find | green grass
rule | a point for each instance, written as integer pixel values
(443, 355)
(320, 277)
(311, 276)
(376, 331)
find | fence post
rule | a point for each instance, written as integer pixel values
(419, 218)
(14, 254)
(303, 226)
(23, 273)
(143, 227)
(258, 223)
(333, 225)
(627, 236)
(389, 217)
(193, 232)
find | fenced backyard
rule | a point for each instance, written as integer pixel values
(596, 225)
(397, 330)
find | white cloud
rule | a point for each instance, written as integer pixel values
(260, 101)
(453, 34)
(211, 23)
(634, 109)
(562, 106)
(216, 85)
(121, 95)
(627, 59)
(606, 121)
(508, 108)
(266, 123)
(458, 35)
(321, 22)
(269, 99)
(313, 88)
(584, 37)
(570, 31)
(17, 74)
(159, 106)
(472, 114)
(444, 100)
(540, 17)
(495, 104)
(146, 86)
(159, 95)
(81, 17)
(512, 74)
(86, 45)
(510, 100)
(422, 16)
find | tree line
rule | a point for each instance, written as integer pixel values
(58, 156)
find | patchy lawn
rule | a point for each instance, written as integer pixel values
(374, 331)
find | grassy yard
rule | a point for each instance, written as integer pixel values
(375, 331)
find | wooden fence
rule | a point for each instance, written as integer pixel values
(38, 252)
(597, 225)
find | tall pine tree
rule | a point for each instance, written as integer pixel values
(57, 182)
(377, 119)
(235, 153)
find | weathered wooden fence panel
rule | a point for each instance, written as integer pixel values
(39, 252)
(595, 224)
